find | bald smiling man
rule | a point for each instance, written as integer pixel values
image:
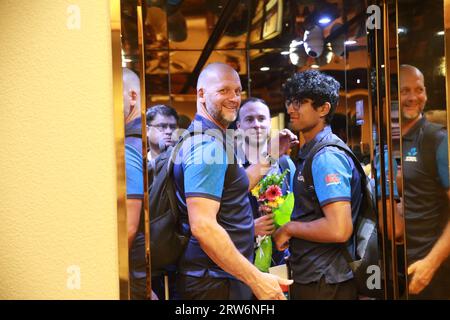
(217, 263)
(425, 191)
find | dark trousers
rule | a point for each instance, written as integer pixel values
(208, 288)
(321, 290)
(138, 288)
(159, 287)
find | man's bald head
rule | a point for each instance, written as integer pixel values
(131, 95)
(413, 96)
(406, 69)
(219, 93)
(212, 71)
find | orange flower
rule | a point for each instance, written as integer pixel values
(273, 192)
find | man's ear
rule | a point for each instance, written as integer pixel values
(325, 109)
(238, 124)
(201, 95)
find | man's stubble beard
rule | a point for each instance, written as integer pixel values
(220, 117)
(409, 117)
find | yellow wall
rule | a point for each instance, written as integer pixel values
(58, 168)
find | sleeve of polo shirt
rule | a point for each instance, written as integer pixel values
(442, 162)
(133, 168)
(386, 170)
(204, 170)
(332, 174)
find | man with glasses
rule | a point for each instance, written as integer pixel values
(161, 124)
(321, 223)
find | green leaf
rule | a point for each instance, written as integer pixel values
(263, 255)
(282, 214)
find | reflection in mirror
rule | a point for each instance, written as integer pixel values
(190, 22)
(135, 192)
(424, 148)
(394, 223)
(384, 145)
(133, 152)
(276, 45)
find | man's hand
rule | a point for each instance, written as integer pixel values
(281, 237)
(422, 272)
(267, 287)
(280, 144)
(264, 225)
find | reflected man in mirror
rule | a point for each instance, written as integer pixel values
(135, 183)
(425, 192)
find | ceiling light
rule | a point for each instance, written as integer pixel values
(284, 53)
(401, 30)
(314, 66)
(440, 33)
(324, 20)
(264, 68)
(350, 42)
(358, 81)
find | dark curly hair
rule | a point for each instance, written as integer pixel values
(314, 85)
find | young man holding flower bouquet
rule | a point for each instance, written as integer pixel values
(212, 196)
(317, 238)
(255, 124)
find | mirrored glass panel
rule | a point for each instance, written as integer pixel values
(424, 158)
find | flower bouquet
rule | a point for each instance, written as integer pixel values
(268, 192)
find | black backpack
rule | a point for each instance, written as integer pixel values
(168, 240)
(365, 236)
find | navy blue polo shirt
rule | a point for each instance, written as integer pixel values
(335, 178)
(425, 183)
(135, 190)
(206, 171)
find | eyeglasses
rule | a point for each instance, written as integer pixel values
(294, 103)
(164, 126)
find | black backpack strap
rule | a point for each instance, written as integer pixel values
(171, 192)
(307, 167)
(173, 155)
(284, 165)
(309, 182)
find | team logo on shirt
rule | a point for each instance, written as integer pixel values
(411, 156)
(332, 179)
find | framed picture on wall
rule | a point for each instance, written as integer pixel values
(267, 22)
(273, 19)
